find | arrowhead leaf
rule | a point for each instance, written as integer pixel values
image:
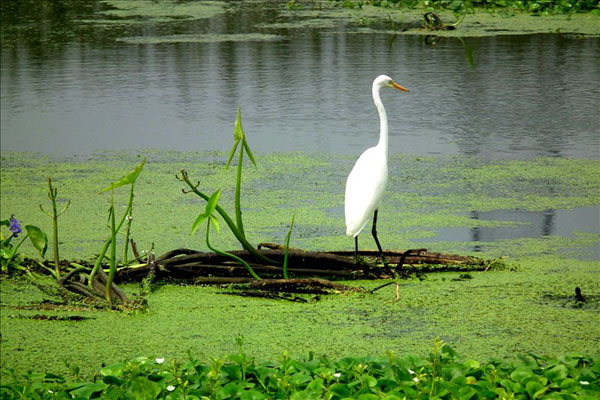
(249, 152)
(215, 222)
(233, 149)
(130, 178)
(198, 221)
(212, 202)
(238, 131)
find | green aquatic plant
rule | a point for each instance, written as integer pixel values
(239, 138)
(287, 248)
(238, 376)
(237, 228)
(207, 215)
(111, 241)
(52, 194)
(9, 258)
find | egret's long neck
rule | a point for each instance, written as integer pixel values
(383, 131)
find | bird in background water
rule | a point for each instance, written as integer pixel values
(367, 180)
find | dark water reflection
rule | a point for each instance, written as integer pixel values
(70, 88)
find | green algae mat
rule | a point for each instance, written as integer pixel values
(528, 306)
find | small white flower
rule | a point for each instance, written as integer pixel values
(337, 375)
(170, 388)
(584, 383)
(416, 379)
(160, 360)
(50, 391)
(410, 371)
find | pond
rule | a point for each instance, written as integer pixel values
(110, 75)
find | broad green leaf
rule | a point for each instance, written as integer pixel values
(38, 238)
(113, 370)
(521, 373)
(5, 222)
(87, 390)
(557, 373)
(130, 178)
(142, 388)
(198, 221)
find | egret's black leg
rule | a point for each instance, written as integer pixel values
(356, 246)
(374, 232)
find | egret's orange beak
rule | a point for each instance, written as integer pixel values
(394, 84)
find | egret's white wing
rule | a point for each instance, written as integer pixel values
(364, 188)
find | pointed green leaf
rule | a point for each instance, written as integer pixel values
(38, 238)
(238, 135)
(198, 221)
(233, 149)
(215, 222)
(212, 202)
(238, 131)
(130, 178)
(4, 222)
(249, 152)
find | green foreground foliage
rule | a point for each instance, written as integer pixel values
(442, 375)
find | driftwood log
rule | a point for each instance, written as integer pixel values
(307, 270)
(212, 268)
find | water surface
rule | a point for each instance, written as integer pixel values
(72, 83)
(71, 86)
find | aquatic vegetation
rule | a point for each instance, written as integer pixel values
(237, 228)
(444, 374)
(468, 6)
(128, 179)
(9, 257)
(161, 9)
(207, 215)
(52, 195)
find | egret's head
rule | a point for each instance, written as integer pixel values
(385, 81)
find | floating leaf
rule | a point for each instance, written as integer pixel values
(130, 178)
(38, 238)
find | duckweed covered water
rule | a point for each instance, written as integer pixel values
(529, 306)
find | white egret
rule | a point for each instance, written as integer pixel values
(368, 178)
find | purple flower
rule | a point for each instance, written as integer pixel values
(14, 227)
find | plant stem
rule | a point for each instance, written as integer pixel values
(52, 195)
(225, 254)
(287, 247)
(113, 250)
(238, 186)
(14, 251)
(105, 249)
(128, 229)
(238, 235)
